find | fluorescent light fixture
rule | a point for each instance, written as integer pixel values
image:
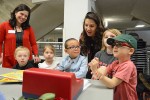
(105, 23)
(58, 28)
(139, 25)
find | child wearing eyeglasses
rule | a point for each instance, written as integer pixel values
(50, 62)
(122, 71)
(74, 62)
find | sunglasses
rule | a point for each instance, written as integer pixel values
(121, 44)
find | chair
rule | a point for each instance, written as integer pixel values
(146, 94)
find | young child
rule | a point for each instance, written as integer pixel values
(74, 62)
(50, 62)
(123, 71)
(22, 55)
(106, 54)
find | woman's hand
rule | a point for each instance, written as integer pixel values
(1, 58)
(36, 59)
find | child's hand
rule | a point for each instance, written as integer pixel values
(94, 64)
(101, 72)
(94, 76)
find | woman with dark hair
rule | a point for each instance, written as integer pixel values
(91, 37)
(17, 32)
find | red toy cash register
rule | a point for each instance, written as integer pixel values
(39, 81)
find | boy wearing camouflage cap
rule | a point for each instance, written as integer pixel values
(123, 72)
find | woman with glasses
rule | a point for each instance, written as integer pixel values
(91, 37)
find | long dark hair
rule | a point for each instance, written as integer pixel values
(84, 39)
(12, 20)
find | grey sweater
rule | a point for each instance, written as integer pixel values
(105, 58)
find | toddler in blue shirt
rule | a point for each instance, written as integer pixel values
(74, 62)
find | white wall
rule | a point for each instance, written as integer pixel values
(47, 16)
(74, 14)
(53, 36)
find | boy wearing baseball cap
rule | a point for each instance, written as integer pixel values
(122, 72)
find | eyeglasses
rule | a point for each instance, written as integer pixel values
(121, 44)
(74, 47)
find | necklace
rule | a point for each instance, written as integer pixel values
(18, 29)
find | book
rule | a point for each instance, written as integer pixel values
(5, 79)
(16, 76)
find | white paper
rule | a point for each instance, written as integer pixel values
(86, 84)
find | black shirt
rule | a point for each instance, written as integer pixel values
(19, 38)
(30, 64)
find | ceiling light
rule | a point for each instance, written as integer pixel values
(139, 25)
(58, 28)
(109, 19)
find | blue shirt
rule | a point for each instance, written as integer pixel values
(79, 65)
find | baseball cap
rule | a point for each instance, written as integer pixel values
(123, 38)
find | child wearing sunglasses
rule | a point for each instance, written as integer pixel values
(74, 62)
(122, 71)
